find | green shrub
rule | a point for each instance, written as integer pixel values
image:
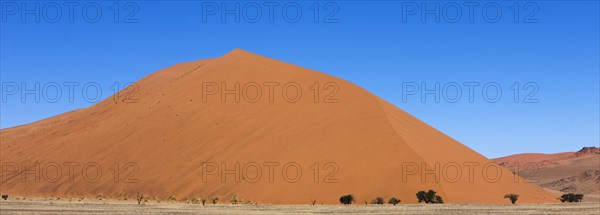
(429, 197)
(571, 197)
(394, 201)
(421, 196)
(347, 199)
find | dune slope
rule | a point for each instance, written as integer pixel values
(181, 136)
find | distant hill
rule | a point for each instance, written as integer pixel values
(567, 172)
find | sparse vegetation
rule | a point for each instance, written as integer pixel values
(139, 197)
(429, 197)
(347, 199)
(571, 197)
(172, 199)
(234, 199)
(121, 196)
(421, 196)
(513, 197)
(394, 201)
(92, 206)
(378, 201)
(214, 200)
(196, 201)
(100, 197)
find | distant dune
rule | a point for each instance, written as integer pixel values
(567, 172)
(181, 136)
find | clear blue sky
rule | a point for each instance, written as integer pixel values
(382, 46)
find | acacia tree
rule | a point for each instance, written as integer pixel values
(347, 199)
(571, 197)
(513, 197)
(421, 196)
(429, 197)
(393, 201)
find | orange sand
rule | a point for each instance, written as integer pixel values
(170, 132)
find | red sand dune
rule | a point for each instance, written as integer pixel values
(170, 132)
(538, 159)
(567, 172)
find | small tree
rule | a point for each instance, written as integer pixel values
(513, 197)
(571, 197)
(139, 197)
(378, 201)
(215, 200)
(429, 197)
(5, 196)
(347, 199)
(203, 200)
(394, 201)
(421, 196)
(314, 202)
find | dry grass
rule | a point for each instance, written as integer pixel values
(115, 207)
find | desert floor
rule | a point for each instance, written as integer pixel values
(115, 207)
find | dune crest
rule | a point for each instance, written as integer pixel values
(245, 124)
